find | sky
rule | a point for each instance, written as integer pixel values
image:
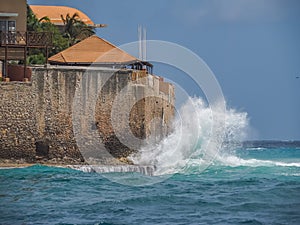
(252, 47)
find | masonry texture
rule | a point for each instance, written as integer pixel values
(71, 114)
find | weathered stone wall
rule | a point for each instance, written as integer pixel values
(137, 93)
(54, 91)
(66, 107)
(17, 121)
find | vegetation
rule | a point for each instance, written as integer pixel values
(33, 23)
(73, 31)
(59, 42)
(37, 58)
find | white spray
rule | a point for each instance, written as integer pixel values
(193, 143)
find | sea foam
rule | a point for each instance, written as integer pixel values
(194, 141)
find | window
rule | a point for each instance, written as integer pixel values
(3, 25)
(9, 27)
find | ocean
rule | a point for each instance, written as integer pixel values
(260, 185)
(196, 175)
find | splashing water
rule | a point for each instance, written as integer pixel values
(190, 144)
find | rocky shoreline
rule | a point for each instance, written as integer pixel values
(113, 168)
(11, 163)
(61, 162)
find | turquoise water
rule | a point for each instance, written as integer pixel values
(255, 186)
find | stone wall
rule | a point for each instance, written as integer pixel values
(67, 109)
(17, 121)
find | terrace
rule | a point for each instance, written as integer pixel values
(14, 45)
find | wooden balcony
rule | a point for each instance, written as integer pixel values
(26, 39)
(15, 45)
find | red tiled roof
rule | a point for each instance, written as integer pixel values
(92, 50)
(54, 13)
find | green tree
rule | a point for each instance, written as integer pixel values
(59, 43)
(75, 30)
(33, 23)
(32, 20)
(38, 56)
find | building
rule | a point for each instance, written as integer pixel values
(12, 15)
(14, 38)
(12, 18)
(55, 14)
(130, 72)
(99, 52)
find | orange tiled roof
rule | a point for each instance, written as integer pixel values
(92, 50)
(54, 13)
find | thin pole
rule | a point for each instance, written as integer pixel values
(140, 41)
(47, 55)
(25, 61)
(144, 45)
(5, 62)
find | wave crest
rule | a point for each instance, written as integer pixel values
(198, 137)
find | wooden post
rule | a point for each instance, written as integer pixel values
(5, 62)
(25, 61)
(47, 55)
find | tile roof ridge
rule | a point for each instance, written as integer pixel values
(62, 55)
(115, 46)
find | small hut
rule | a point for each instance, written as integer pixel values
(98, 52)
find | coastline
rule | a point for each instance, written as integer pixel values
(11, 165)
(15, 165)
(113, 168)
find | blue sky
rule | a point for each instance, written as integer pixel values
(252, 46)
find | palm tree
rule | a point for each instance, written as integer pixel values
(75, 30)
(33, 23)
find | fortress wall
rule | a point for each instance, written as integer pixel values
(17, 121)
(38, 119)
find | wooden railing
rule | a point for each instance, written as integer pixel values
(26, 39)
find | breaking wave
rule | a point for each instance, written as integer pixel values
(193, 141)
(234, 161)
